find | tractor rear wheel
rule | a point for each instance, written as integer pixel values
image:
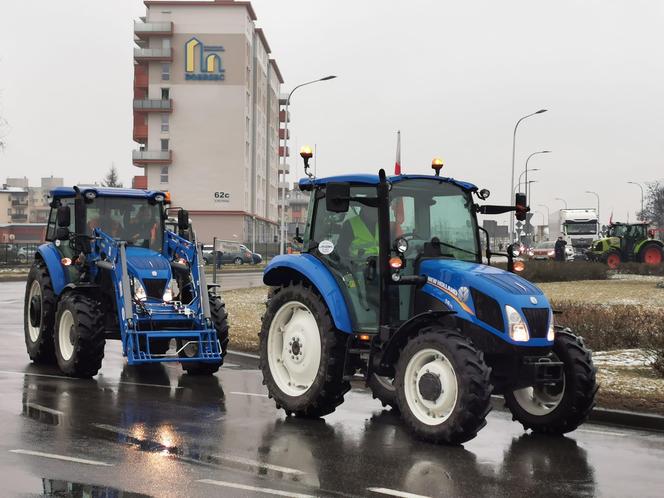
(613, 259)
(302, 353)
(560, 408)
(220, 321)
(39, 314)
(79, 335)
(382, 389)
(651, 254)
(443, 386)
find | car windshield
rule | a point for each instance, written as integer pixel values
(545, 245)
(134, 220)
(424, 209)
(580, 228)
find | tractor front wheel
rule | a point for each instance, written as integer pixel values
(302, 353)
(443, 386)
(39, 314)
(613, 259)
(220, 321)
(560, 408)
(651, 254)
(79, 336)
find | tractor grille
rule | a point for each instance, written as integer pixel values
(154, 287)
(538, 321)
(487, 309)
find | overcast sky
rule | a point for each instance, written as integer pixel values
(452, 76)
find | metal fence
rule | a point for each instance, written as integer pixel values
(17, 254)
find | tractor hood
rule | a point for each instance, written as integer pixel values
(151, 268)
(479, 293)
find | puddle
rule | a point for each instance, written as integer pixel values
(58, 488)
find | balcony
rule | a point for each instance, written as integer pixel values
(144, 157)
(19, 218)
(281, 151)
(147, 29)
(140, 132)
(282, 116)
(153, 105)
(20, 202)
(284, 133)
(283, 168)
(153, 54)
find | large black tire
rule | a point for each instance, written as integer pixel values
(328, 388)
(612, 259)
(471, 381)
(651, 254)
(85, 336)
(39, 315)
(238, 261)
(382, 389)
(578, 391)
(220, 322)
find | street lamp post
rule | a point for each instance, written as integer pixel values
(282, 229)
(562, 200)
(531, 155)
(518, 185)
(596, 195)
(513, 156)
(641, 187)
(529, 190)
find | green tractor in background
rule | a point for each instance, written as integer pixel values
(627, 242)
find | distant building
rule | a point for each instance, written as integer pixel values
(206, 116)
(28, 204)
(297, 206)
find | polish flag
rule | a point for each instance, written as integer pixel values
(611, 218)
(397, 164)
(398, 205)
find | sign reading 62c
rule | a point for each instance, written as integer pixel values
(222, 197)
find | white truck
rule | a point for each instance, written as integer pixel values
(579, 227)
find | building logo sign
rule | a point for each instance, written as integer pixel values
(202, 62)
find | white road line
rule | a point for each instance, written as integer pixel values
(235, 485)
(247, 355)
(43, 408)
(249, 394)
(604, 433)
(226, 364)
(61, 457)
(254, 464)
(394, 492)
(51, 376)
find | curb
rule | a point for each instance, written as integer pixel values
(606, 416)
(13, 278)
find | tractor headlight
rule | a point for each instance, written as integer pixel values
(551, 333)
(139, 290)
(517, 328)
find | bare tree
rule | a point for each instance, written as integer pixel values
(653, 210)
(112, 179)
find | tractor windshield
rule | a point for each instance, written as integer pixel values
(423, 209)
(134, 220)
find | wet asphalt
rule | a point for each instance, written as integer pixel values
(153, 431)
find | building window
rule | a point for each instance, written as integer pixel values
(165, 94)
(165, 72)
(164, 143)
(163, 176)
(164, 121)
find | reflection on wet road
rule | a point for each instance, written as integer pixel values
(154, 431)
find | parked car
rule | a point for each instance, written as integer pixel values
(546, 250)
(231, 252)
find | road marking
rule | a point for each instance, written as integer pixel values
(51, 376)
(226, 364)
(43, 408)
(268, 491)
(605, 433)
(247, 355)
(249, 394)
(254, 464)
(394, 492)
(61, 457)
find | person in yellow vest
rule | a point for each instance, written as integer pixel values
(359, 235)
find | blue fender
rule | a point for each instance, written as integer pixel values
(279, 271)
(52, 258)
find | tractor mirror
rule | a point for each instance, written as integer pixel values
(64, 216)
(337, 197)
(62, 233)
(183, 219)
(521, 206)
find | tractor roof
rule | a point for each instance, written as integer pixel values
(105, 192)
(369, 179)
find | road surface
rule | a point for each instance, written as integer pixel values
(153, 431)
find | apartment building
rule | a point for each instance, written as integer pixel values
(206, 116)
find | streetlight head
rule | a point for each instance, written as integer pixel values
(546, 152)
(541, 111)
(331, 77)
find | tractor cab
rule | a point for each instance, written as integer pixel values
(391, 284)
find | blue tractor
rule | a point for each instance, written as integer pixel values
(111, 270)
(391, 285)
